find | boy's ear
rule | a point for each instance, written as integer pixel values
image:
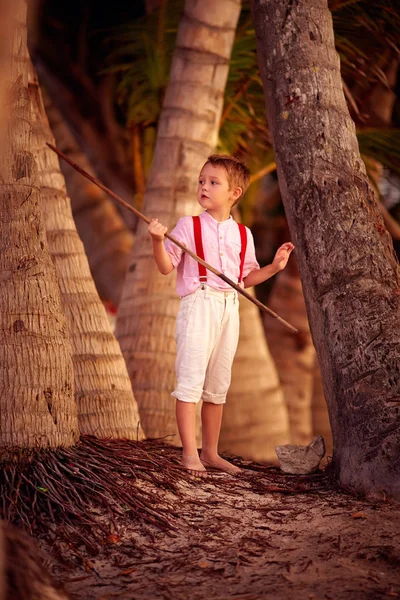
(236, 193)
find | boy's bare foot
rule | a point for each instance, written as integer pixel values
(194, 466)
(217, 462)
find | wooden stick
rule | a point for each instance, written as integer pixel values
(175, 241)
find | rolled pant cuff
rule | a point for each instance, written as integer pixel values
(186, 394)
(213, 398)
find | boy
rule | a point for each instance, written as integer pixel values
(207, 326)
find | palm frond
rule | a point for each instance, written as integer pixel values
(366, 31)
(382, 145)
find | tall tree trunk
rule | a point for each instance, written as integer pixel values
(349, 273)
(107, 240)
(187, 133)
(106, 405)
(294, 355)
(255, 416)
(37, 407)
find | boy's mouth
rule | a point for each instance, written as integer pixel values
(204, 196)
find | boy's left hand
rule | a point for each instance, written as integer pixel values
(282, 256)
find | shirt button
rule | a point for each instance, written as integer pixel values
(220, 237)
(221, 254)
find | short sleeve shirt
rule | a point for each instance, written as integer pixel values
(222, 246)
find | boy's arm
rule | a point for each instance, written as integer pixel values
(161, 256)
(280, 261)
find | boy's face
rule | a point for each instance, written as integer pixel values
(213, 193)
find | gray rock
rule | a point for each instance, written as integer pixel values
(300, 460)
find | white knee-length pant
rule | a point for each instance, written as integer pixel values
(207, 333)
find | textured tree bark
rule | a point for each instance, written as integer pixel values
(105, 401)
(187, 134)
(349, 273)
(255, 415)
(37, 408)
(107, 240)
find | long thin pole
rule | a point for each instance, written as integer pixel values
(175, 241)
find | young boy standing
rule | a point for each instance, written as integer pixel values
(207, 327)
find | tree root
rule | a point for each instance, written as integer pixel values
(71, 487)
(68, 485)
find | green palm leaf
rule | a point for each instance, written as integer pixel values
(365, 32)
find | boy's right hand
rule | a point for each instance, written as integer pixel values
(157, 230)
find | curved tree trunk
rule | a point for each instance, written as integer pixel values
(187, 134)
(37, 407)
(255, 416)
(345, 255)
(294, 355)
(107, 240)
(106, 405)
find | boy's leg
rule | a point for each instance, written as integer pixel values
(196, 329)
(186, 421)
(211, 418)
(216, 385)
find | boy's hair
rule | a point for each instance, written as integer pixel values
(237, 172)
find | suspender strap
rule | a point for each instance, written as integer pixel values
(243, 239)
(199, 247)
(200, 252)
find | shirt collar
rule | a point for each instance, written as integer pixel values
(208, 217)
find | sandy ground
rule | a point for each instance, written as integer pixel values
(260, 535)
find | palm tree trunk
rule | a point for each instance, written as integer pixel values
(349, 273)
(294, 355)
(255, 416)
(187, 133)
(37, 408)
(106, 405)
(107, 240)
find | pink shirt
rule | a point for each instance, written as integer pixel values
(221, 244)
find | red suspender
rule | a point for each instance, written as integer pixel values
(199, 247)
(200, 252)
(243, 239)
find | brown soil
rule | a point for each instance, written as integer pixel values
(260, 535)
